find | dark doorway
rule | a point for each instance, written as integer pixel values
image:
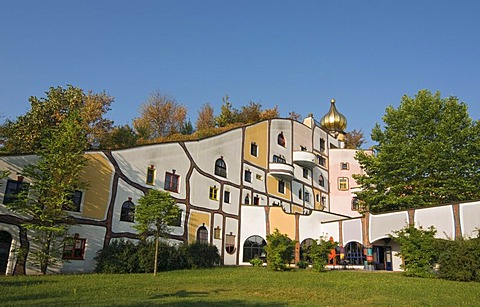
(382, 257)
(5, 243)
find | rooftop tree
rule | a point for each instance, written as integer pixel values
(427, 153)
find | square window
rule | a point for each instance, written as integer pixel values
(12, 190)
(248, 176)
(213, 195)
(254, 149)
(76, 201)
(306, 196)
(321, 160)
(74, 248)
(171, 182)
(344, 166)
(343, 184)
(226, 197)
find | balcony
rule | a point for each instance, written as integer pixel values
(305, 159)
(281, 170)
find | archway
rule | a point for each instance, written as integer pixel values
(5, 243)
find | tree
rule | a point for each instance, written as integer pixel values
(319, 252)
(206, 118)
(294, 115)
(354, 139)
(119, 137)
(270, 113)
(24, 135)
(160, 116)
(187, 128)
(228, 114)
(417, 249)
(279, 250)
(428, 153)
(156, 210)
(54, 179)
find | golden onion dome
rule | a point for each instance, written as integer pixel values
(334, 120)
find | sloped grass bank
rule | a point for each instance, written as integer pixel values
(236, 286)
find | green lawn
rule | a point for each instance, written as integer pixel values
(237, 286)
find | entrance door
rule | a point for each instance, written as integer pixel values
(388, 258)
(5, 242)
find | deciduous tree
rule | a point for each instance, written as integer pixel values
(428, 153)
(54, 179)
(160, 116)
(354, 139)
(206, 117)
(155, 211)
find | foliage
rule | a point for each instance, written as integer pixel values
(118, 257)
(427, 154)
(417, 249)
(161, 115)
(25, 134)
(187, 128)
(54, 179)
(459, 260)
(294, 116)
(319, 251)
(280, 250)
(354, 139)
(201, 255)
(256, 261)
(154, 212)
(302, 264)
(205, 118)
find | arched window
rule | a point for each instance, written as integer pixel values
(281, 139)
(305, 249)
(253, 247)
(354, 253)
(128, 211)
(202, 235)
(221, 168)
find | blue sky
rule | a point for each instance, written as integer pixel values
(294, 54)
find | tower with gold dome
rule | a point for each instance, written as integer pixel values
(334, 122)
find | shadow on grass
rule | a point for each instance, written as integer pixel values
(7, 282)
(202, 299)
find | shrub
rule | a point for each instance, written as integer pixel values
(460, 260)
(319, 251)
(418, 250)
(279, 250)
(201, 255)
(118, 257)
(256, 261)
(302, 264)
(170, 257)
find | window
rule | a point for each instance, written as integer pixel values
(248, 176)
(321, 181)
(12, 190)
(354, 253)
(355, 204)
(324, 201)
(317, 197)
(258, 177)
(213, 195)
(305, 173)
(303, 148)
(281, 139)
(344, 166)
(74, 248)
(128, 211)
(151, 175)
(322, 145)
(226, 197)
(279, 159)
(281, 186)
(254, 149)
(343, 183)
(202, 235)
(221, 168)
(256, 200)
(321, 160)
(253, 247)
(230, 243)
(300, 193)
(305, 247)
(217, 233)
(171, 182)
(247, 200)
(306, 196)
(177, 221)
(76, 201)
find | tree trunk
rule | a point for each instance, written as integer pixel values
(156, 253)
